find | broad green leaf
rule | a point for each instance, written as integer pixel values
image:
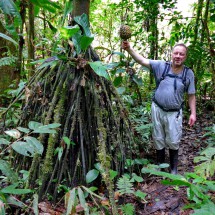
(4, 141)
(83, 201)
(8, 38)
(23, 148)
(13, 133)
(113, 174)
(34, 125)
(137, 80)
(92, 175)
(120, 70)
(198, 192)
(140, 194)
(11, 190)
(77, 41)
(206, 209)
(85, 42)
(8, 171)
(98, 167)
(141, 161)
(67, 140)
(2, 209)
(25, 130)
(9, 8)
(164, 165)
(100, 69)
(53, 125)
(164, 174)
(137, 178)
(93, 188)
(28, 148)
(117, 81)
(70, 201)
(83, 22)
(121, 90)
(38, 146)
(176, 182)
(11, 200)
(48, 5)
(44, 131)
(68, 31)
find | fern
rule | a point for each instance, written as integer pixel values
(124, 185)
(7, 61)
(128, 209)
(207, 167)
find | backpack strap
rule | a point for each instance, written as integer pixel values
(165, 72)
(184, 77)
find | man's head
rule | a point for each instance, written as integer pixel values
(179, 54)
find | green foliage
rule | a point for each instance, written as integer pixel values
(124, 185)
(26, 145)
(207, 166)
(9, 8)
(78, 196)
(210, 134)
(9, 39)
(29, 146)
(6, 170)
(206, 209)
(197, 186)
(128, 209)
(100, 69)
(92, 175)
(48, 5)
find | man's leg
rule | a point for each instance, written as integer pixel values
(173, 129)
(158, 133)
(173, 157)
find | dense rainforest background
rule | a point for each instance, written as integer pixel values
(75, 108)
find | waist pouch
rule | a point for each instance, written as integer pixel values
(165, 109)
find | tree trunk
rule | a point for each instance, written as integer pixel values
(80, 7)
(31, 38)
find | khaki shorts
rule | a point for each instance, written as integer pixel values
(167, 128)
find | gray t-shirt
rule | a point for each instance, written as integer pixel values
(166, 95)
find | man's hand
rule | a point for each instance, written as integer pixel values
(192, 120)
(125, 45)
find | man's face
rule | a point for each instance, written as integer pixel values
(179, 54)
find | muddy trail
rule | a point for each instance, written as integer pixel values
(170, 200)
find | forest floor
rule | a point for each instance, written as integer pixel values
(162, 199)
(170, 200)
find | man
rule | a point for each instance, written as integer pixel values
(173, 79)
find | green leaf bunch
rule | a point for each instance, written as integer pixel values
(26, 144)
(128, 209)
(206, 160)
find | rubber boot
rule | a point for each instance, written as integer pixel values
(160, 156)
(173, 157)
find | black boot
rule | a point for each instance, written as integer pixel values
(160, 156)
(173, 157)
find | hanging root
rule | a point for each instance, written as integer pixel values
(91, 115)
